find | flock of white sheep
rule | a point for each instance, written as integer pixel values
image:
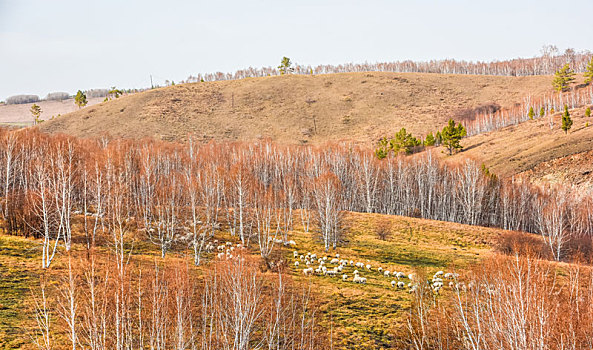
(335, 266)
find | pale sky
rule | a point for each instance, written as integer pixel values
(64, 45)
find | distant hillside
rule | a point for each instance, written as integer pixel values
(531, 147)
(361, 107)
(20, 114)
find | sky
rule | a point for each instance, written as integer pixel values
(63, 45)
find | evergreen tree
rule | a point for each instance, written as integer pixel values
(383, 148)
(285, 66)
(542, 112)
(36, 112)
(531, 113)
(566, 121)
(563, 78)
(403, 141)
(589, 72)
(430, 140)
(80, 99)
(588, 112)
(452, 135)
(438, 138)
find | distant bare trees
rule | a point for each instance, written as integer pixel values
(546, 64)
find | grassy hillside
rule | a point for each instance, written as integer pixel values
(297, 109)
(534, 145)
(362, 316)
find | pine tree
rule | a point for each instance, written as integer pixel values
(403, 141)
(589, 72)
(285, 66)
(452, 135)
(542, 112)
(430, 140)
(80, 99)
(563, 78)
(566, 121)
(588, 112)
(438, 138)
(383, 148)
(531, 113)
(36, 112)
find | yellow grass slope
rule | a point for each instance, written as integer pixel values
(531, 147)
(298, 109)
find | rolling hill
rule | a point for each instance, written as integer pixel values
(298, 109)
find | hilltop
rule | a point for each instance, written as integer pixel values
(360, 107)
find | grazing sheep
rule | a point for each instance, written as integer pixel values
(308, 272)
(318, 271)
(386, 273)
(331, 273)
(448, 275)
(351, 263)
(400, 275)
(307, 262)
(313, 256)
(401, 285)
(451, 284)
(337, 255)
(368, 266)
(344, 277)
(413, 289)
(339, 268)
(411, 276)
(295, 254)
(358, 279)
(393, 283)
(355, 272)
(380, 269)
(291, 243)
(359, 265)
(296, 264)
(439, 273)
(334, 261)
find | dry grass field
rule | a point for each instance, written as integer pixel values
(359, 107)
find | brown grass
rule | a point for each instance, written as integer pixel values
(314, 109)
(522, 147)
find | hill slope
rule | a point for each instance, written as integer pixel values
(308, 109)
(531, 147)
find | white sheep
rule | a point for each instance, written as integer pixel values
(351, 263)
(344, 277)
(411, 276)
(331, 273)
(386, 273)
(296, 264)
(380, 269)
(334, 261)
(358, 279)
(337, 255)
(393, 283)
(401, 285)
(400, 275)
(355, 272)
(295, 254)
(308, 272)
(439, 273)
(368, 266)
